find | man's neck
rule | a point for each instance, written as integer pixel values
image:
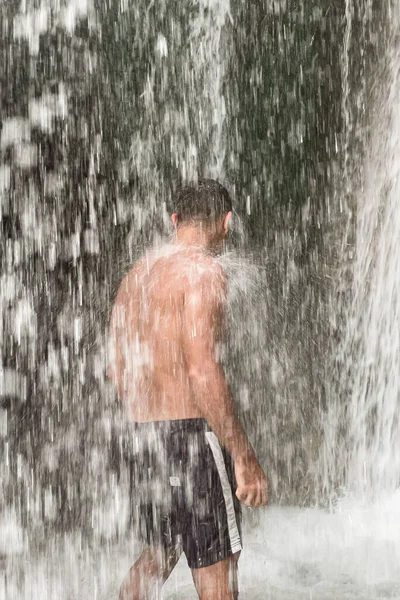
(198, 237)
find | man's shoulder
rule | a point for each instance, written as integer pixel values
(212, 265)
(205, 276)
(186, 259)
(129, 280)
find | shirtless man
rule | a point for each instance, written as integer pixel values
(196, 462)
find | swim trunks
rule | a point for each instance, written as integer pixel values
(183, 491)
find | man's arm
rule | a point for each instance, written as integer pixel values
(203, 309)
(122, 329)
(116, 363)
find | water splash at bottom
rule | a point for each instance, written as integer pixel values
(350, 552)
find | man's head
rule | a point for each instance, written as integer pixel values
(204, 206)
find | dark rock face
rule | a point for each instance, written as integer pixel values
(104, 108)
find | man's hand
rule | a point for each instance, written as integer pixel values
(252, 484)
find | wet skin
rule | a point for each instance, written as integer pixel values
(153, 331)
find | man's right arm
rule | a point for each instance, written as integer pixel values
(122, 332)
(116, 362)
(203, 311)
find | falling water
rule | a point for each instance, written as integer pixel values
(374, 328)
(183, 93)
(369, 422)
(107, 106)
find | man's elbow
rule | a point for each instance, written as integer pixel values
(200, 373)
(111, 374)
(114, 378)
(203, 376)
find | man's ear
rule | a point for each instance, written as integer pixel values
(174, 219)
(226, 221)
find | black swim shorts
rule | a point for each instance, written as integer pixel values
(183, 491)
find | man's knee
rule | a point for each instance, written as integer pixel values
(218, 590)
(218, 582)
(140, 587)
(148, 574)
(218, 595)
(130, 588)
(126, 593)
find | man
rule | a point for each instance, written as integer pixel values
(196, 462)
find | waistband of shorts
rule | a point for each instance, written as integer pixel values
(173, 426)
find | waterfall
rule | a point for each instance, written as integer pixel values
(363, 427)
(182, 105)
(105, 107)
(374, 326)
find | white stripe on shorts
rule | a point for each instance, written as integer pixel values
(234, 536)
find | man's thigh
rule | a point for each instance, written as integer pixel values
(219, 581)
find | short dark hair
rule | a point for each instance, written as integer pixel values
(204, 201)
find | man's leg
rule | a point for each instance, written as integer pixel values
(218, 582)
(147, 576)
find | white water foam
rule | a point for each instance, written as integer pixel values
(362, 429)
(296, 554)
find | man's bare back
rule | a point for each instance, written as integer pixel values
(152, 329)
(165, 328)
